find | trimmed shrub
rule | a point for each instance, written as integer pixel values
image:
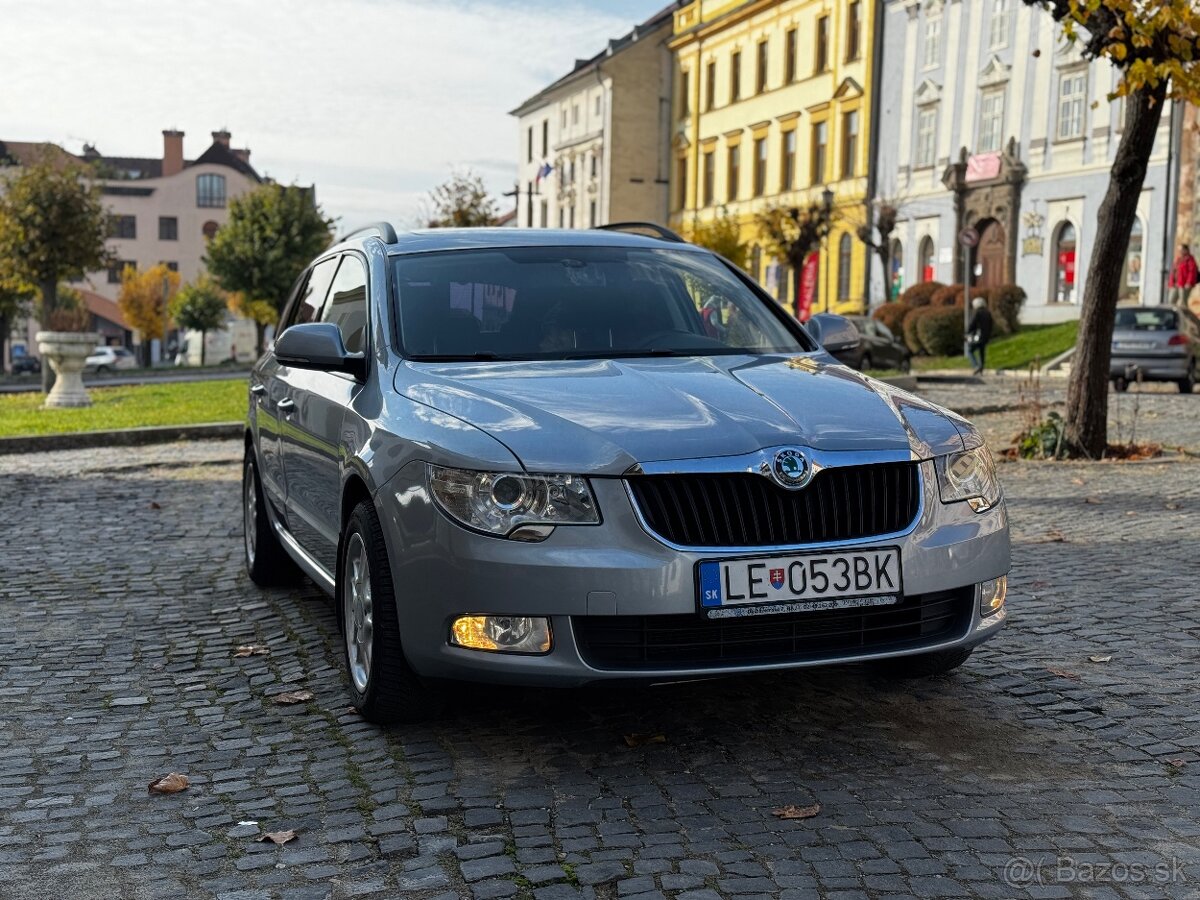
(920, 294)
(893, 315)
(1005, 304)
(940, 330)
(912, 321)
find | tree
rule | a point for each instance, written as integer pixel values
(793, 232)
(273, 232)
(886, 214)
(200, 306)
(52, 228)
(462, 202)
(144, 301)
(721, 234)
(1156, 48)
(15, 299)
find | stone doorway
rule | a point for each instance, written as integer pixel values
(991, 255)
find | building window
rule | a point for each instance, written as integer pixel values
(854, 31)
(209, 230)
(1072, 97)
(760, 166)
(998, 30)
(681, 173)
(171, 265)
(592, 214)
(760, 84)
(734, 171)
(787, 168)
(545, 137)
(529, 147)
(599, 103)
(1131, 274)
(991, 121)
(849, 144)
(710, 176)
(896, 265)
(821, 57)
(529, 204)
(926, 136)
(168, 228)
(562, 217)
(685, 94)
(122, 226)
(820, 144)
(1064, 263)
(210, 190)
(564, 117)
(845, 251)
(545, 214)
(756, 262)
(735, 77)
(117, 268)
(710, 85)
(925, 261)
(595, 163)
(932, 50)
(571, 216)
(789, 61)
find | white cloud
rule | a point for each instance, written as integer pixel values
(374, 101)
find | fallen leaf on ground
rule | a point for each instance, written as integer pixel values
(1174, 506)
(287, 698)
(1094, 501)
(797, 812)
(1078, 481)
(1053, 536)
(1100, 658)
(1063, 673)
(251, 650)
(169, 784)
(154, 505)
(639, 740)
(1177, 763)
(277, 837)
(1037, 585)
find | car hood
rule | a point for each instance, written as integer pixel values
(604, 416)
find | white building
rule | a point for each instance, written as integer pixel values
(593, 146)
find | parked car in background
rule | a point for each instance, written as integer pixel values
(1155, 343)
(109, 359)
(26, 365)
(525, 457)
(878, 348)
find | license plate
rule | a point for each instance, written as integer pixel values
(809, 582)
(1135, 345)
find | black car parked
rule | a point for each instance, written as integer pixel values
(26, 365)
(878, 349)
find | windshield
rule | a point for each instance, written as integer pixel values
(1147, 319)
(580, 302)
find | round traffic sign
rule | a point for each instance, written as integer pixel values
(969, 237)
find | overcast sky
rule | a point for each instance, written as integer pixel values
(374, 101)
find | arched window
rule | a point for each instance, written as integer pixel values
(895, 270)
(1064, 263)
(210, 191)
(845, 249)
(1131, 274)
(925, 263)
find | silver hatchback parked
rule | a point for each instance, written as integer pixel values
(561, 457)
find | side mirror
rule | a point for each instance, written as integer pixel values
(833, 332)
(318, 345)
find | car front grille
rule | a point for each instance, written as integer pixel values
(746, 510)
(648, 643)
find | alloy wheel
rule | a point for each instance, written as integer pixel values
(250, 509)
(357, 611)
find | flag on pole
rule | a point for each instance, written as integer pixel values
(543, 172)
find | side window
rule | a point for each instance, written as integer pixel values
(347, 306)
(884, 331)
(312, 295)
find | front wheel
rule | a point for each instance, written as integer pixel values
(383, 686)
(865, 364)
(925, 665)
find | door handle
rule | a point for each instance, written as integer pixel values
(258, 388)
(286, 405)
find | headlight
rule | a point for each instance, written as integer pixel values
(508, 504)
(969, 476)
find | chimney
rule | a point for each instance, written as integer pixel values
(242, 153)
(172, 152)
(221, 137)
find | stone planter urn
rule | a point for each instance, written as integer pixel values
(67, 352)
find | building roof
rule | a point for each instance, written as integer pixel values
(25, 153)
(616, 45)
(104, 308)
(122, 168)
(222, 155)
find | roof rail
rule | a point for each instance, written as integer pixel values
(658, 231)
(383, 230)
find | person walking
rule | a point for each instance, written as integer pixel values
(1184, 275)
(979, 333)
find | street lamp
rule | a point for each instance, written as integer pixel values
(827, 198)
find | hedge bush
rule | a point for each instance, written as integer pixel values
(892, 315)
(912, 321)
(920, 294)
(1005, 304)
(940, 330)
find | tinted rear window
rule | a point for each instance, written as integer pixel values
(1148, 319)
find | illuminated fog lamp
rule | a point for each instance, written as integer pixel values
(992, 595)
(502, 634)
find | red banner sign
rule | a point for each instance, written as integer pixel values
(808, 286)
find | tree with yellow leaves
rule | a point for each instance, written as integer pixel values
(144, 300)
(1155, 45)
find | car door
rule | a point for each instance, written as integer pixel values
(312, 412)
(889, 354)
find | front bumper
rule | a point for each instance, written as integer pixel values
(1152, 368)
(616, 571)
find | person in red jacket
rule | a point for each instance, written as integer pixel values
(1184, 275)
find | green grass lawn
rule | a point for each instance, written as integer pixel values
(130, 406)
(1014, 351)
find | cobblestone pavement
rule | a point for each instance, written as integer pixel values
(117, 633)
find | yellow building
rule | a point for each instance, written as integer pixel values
(772, 106)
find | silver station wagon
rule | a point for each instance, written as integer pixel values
(560, 457)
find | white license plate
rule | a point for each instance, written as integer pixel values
(808, 582)
(1135, 345)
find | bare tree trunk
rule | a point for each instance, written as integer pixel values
(203, 345)
(49, 301)
(5, 328)
(1087, 393)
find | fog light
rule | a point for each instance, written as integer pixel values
(992, 595)
(506, 634)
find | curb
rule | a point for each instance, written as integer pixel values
(127, 437)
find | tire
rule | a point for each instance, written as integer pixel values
(865, 363)
(925, 665)
(102, 370)
(906, 365)
(267, 563)
(1187, 384)
(383, 687)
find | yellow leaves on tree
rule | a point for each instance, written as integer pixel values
(145, 297)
